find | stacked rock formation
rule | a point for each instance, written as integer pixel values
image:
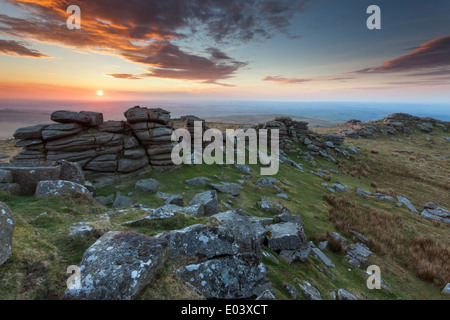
(393, 124)
(106, 151)
(153, 128)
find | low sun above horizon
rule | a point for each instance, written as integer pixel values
(99, 93)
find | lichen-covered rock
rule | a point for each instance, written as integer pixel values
(233, 277)
(118, 266)
(357, 254)
(310, 291)
(6, 232)
(201, 242)
(242, 228)
(285, 236)
(59, 187)
(209, 202)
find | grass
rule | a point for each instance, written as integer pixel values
(411, 251)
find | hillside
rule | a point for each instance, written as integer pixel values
(413, 252)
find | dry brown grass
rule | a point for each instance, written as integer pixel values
(387, 235)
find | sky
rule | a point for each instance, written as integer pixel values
(283, 50)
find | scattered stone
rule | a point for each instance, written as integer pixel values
(359, 236)
(267, 182)
(323, 245)
(339, 187)
(282, 195)
(266, 205)
(147, 185)
(118, 266)
(231, 188)
(239, 276)
(243, 167)
(6, 232)
(266, 295)
(310, 291)
(175, 199)
(291, 290)
(407, 203)
(242, 228)
(122, 201)
(105, 201)
(363, 193)
(209, 202)
(322, 257)
(357, 254)
(446, 289)
(59, 187)
(381, 196)
(198, 181)
(343, 294)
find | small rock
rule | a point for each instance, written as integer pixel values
(147, 185)
(345, 295)
(310, 291)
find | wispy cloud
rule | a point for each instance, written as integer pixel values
(431, 54)
(146, 32)
(18, 48)
(283, 80)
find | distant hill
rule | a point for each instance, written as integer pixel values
(260, 118)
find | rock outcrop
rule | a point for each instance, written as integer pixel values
(106, 151)
(396, 123)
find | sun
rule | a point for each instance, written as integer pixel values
(99, 93)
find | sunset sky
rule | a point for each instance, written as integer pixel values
(294, 50)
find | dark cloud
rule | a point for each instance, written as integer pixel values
(431, 54)
(146, 32)
(16, 48)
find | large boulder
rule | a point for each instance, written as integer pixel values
(6, 232)
(289, 240)
(242, 228)
(209, 202)
(118, 266)
(59, 187)
(201, 242)
(233, 277)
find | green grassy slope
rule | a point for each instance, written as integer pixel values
(43, 249)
